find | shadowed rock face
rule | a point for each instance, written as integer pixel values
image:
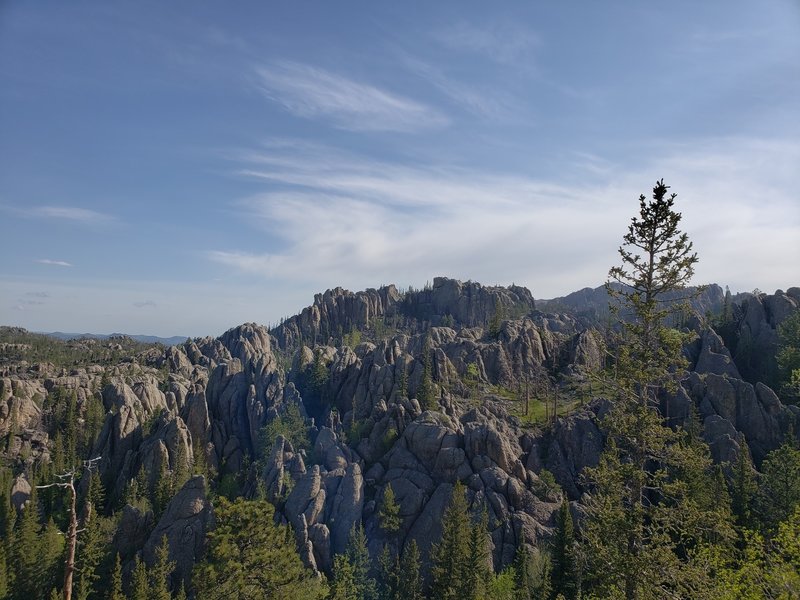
(756, 338)
(184, 524)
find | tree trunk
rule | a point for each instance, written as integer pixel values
(72, 542)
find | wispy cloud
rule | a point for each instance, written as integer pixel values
(489, 103)
(343, 219)
(55, 263)
(145, 304)
(504, 43)
(68, 213)
(38, 294)
(309, 92)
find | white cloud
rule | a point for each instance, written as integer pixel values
(55, 263)
(309, 92)
(69, 213)
(344, 220)
(145, 304)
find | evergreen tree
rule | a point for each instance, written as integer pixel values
(643, 516)
(565, 574)
(657, 259)
(51, 558)
(779, 492)
(788, 357)
(319, 377)
(96, 494)
(522, 572)
(90, 554)
(249, 557)
(531, 574)
(410, 581)
(402, 379)
(389, 574)
(502, 586)
(358, 556)
(25, 558)
(5, 586)
(449, 556)
(477, 569)
(115, 589)
(343, 586)
(744, 486)
(425, 389)
(140, 586)
(160, 572)
(389, 513)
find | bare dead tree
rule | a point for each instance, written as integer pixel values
(67, 481)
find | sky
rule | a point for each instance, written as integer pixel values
(178, 168)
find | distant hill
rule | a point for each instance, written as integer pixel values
(145, 339)
(591, 305)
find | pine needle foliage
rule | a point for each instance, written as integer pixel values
(249, 557)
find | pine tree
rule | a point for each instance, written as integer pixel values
(565, 574)
(477, 570)
(425, 389)
(25, 558)
(389, 513)
(51, 557)
(90, 554)
(657, 259)
(96, 495)
(531, 574)
(358, 556)
(642, 515)
(389, 573)
(249, 557)
(450, 555)
(139, 586)
(402, 379)
(5, 586)
(410, 581)
(522, 572)
(343, 586)
(779, 492)
(160, 572)
(319, 377)
(744, 486)
(115, 589)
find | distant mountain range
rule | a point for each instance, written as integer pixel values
(145, 339)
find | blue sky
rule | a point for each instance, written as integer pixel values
(179, 168)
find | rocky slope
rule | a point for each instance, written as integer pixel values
(207, 401)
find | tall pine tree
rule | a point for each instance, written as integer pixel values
(566, 574)
(449, 556)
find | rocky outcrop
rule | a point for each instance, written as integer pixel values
(729, 407)
(184, 524)
(20, 404)
(756, 339)
(469, 304)
(447, 302)
(20, 492)
(714, 357)
(334, 313)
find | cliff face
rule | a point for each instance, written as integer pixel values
(208, 400)
(447, 302)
